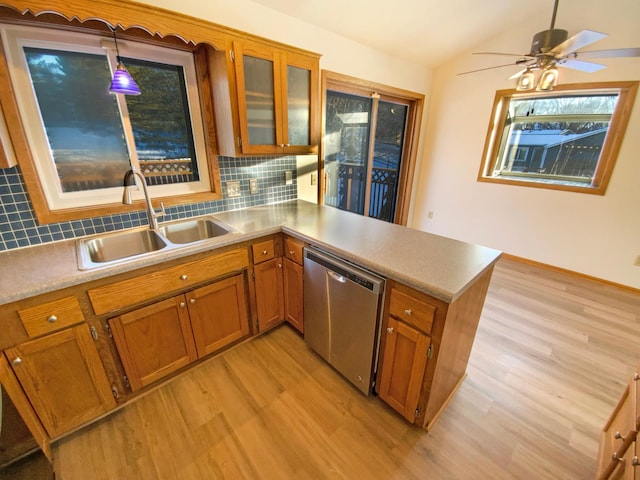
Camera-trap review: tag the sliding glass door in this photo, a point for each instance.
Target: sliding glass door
(364, 147)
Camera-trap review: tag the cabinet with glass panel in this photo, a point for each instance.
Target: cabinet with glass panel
(277, 94)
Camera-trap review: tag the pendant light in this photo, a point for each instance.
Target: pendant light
(122, 81)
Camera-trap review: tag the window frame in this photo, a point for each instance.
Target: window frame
(610, 149)
(15, 37)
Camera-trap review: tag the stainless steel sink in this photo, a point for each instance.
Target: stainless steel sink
(114, 248)
(111, 248)
(190, 231)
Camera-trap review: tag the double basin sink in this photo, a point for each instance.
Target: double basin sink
(109, 249)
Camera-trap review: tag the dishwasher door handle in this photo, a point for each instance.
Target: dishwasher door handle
(337, 277)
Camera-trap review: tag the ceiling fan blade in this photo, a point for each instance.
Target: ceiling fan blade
(526, 55)
(588, 67)
(582, 39)
(487, 68)
(616, 52)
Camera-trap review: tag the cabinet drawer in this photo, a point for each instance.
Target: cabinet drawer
(293, 250)
(166, 280)
(51, 316)
(264, 251)
(412, 310)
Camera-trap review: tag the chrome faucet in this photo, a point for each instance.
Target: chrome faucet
(126, 197)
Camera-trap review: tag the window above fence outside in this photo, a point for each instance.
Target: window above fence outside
(567, 139)
(83, 139)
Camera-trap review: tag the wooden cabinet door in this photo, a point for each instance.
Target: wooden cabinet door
(218, 314)
(269, 293)
(293, 294)
(259, 97)
(403, 365)
(154, 341)
(300, 127)
(63, 377)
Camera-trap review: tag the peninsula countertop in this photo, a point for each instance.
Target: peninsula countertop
(439, 266)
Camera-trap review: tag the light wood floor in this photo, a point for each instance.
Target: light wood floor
(551, 358)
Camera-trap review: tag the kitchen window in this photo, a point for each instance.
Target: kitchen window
(83, 139)
(567, 139)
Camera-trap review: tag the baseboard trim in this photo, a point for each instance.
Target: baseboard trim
(546, 266)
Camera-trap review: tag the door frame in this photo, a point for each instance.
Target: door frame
(415, 102)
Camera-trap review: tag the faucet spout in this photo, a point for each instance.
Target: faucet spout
(126, 197)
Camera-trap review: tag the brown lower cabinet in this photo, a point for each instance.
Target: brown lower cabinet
(269, 293)
(618, 453)
(404, 360)
(161, 338)
(293, 294)
(63, 377)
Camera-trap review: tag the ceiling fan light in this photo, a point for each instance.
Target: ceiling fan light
(548, 79)
(526, 80)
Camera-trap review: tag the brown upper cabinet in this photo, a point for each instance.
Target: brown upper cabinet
(277, 101)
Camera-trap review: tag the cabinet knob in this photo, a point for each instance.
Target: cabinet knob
(17, 360)
(619, 436)
(287, 145)
(182, 304)
(52, 319)
(282, 145)
(192, 301)
(635, 462)
(389, 329)
(279, 265)
(636, 376)
(292, 253)
(408, 312)
(264, 252)
(184, 277)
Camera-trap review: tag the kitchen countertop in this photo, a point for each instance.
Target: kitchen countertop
(436, 265)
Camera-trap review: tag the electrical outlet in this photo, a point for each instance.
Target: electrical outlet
(288, 177)
(233, 189)
(253, 186)
(637, 262)
(430, 215)
(314, 179)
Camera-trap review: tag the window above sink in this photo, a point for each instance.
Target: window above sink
(83, 138)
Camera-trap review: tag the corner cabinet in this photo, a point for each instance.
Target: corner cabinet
(63, 377)
(278, 97)
(267, 259)
(293, 286)
(425, 347)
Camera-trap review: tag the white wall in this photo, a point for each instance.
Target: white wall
(594, 235)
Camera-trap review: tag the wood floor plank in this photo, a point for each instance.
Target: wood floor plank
(552, 355)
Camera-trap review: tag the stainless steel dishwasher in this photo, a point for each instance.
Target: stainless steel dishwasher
(341, 309)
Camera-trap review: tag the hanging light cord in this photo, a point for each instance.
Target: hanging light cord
(115, 39)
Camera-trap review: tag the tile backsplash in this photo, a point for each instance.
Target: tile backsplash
(19, 227)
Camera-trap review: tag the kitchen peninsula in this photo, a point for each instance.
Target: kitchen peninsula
(434, 296)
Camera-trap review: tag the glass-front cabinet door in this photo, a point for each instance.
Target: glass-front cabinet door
(277, 100)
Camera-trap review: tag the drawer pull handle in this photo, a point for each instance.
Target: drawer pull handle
(52, 319)
(389, 329)
(17, 360)
(408, 312)
(264, 252)
(192, 301)
(292, 253)
(184, 277)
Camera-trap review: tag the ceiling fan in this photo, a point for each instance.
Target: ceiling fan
(553, 48)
